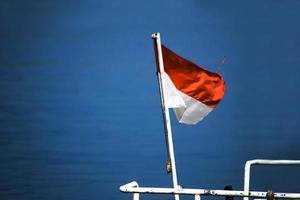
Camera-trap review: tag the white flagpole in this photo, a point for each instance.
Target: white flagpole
(166, 114)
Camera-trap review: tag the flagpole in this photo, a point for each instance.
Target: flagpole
(166, 114)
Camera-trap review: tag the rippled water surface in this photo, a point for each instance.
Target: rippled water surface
(63, 138)
(79, 104)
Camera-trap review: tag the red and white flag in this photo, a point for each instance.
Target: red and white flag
(191, 90)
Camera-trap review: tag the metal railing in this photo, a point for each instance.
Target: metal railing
(134, 188)
(249, 163)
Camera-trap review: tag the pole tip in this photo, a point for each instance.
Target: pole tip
(155, 35)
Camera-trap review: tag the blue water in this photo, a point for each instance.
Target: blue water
(62, 137)
(79, 104)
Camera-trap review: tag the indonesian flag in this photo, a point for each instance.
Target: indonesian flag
(191, 90)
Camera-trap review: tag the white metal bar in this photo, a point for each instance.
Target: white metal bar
(136, 196)
(165, 109)
(197, 197)
(132, 184)
(262, 162)
(207, 192)
(162, 99)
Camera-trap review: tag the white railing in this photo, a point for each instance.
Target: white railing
(134, 188)
(249, 163)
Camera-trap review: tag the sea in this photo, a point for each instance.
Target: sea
(82, 132)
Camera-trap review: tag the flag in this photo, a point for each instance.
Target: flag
(191, 90)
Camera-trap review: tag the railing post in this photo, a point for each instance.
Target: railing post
(249, 163)
(197, 197)
(136, 196)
